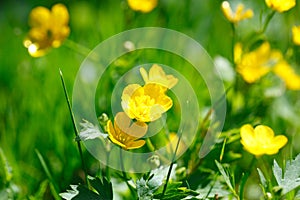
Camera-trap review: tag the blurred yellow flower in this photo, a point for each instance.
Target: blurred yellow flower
(296, 34)
(126, 134)
(288, 75)
(171, 145)
(238, 15)
(261, 140)
(281, 5)
(255, 64)
(158, 76)
(48, 29)
(142, 5)
(145, 103)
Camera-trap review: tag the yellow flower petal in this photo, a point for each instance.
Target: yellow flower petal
(239, 14)
(48, 29)
(288, 75)
(39, 17)
(126, 134)
(112, 134)
(135, 144)
(59, 14)
(255, 64)
(296, 34)
(145, 103)
(280, 5)
(158, 76)
(142, 5)
(261, 140)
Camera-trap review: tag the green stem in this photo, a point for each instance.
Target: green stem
(245, 177)
(124, 174)
(233, 41)
(81, 49)
(171, 166)
(269, 17)
(74, 127)
(47, 171)
(107, 173)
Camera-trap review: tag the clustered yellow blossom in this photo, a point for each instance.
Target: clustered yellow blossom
(145, 103)
(281, 5)
(142, 104)
(296, 34)
(261, 140)
(126, 134)
(239, 15)
(49, 28)
(142, 5)
(255, 64)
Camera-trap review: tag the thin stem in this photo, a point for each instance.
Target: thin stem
(233, 41)
(47, 171)
(74, 127)
(246, 176)
(123, 172)
(171, 166)
(80, 49)
(269, 17)
(107, 173)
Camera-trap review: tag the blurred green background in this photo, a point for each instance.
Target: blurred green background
(33, 110)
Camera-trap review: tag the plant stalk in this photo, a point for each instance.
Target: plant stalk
(74, 127)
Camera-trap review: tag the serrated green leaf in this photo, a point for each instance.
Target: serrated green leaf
(90, 131)
(81, 192)
(85, 193)
(104, 188)
(225, 175)
(210, 191)
(147, 187)
(290, 178)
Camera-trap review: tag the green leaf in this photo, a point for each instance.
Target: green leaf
(5, 170)
(104, 187)
(90, 131)
(225, 175)
(262, 178)
(102, 190)
(146, 187)
(40, 193)
(210, 191)
(291, 177)
(175, 192)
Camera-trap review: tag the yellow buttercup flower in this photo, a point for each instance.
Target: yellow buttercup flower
(288, 75)
(145, 103)
(142, 5)
(158, 76)
(126, 134)
(281, 5)
(238, 15)
(48, 29)
(296, 34)
(261, 140)
(255, 64)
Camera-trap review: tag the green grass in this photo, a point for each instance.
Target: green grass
(33, 110)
